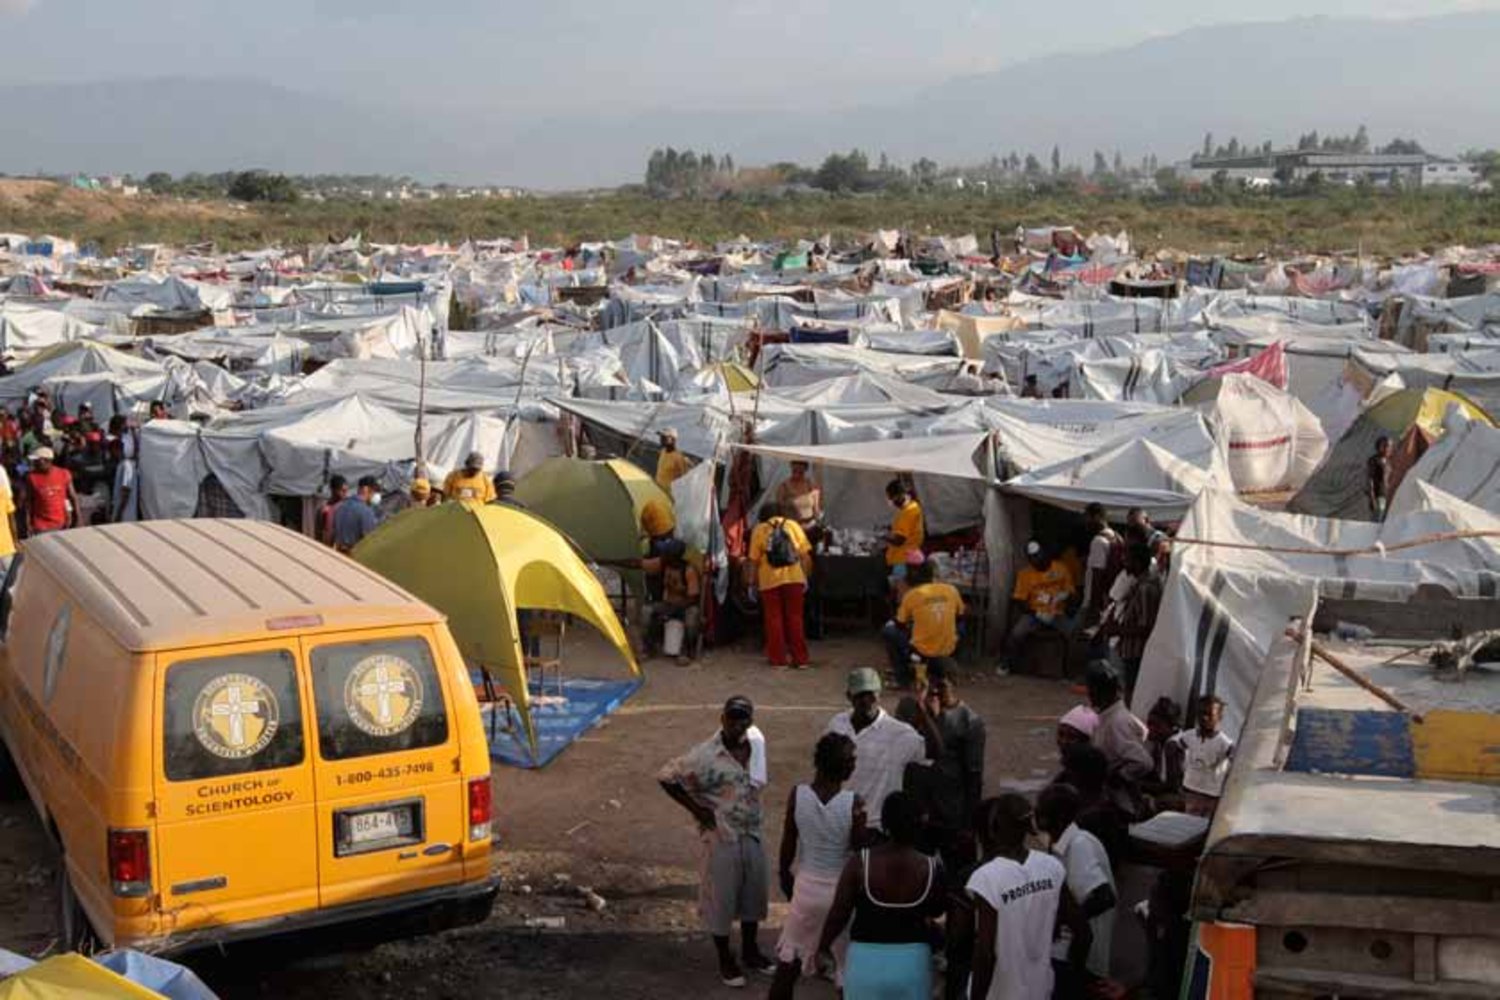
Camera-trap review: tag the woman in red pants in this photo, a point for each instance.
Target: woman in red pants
(782, 558)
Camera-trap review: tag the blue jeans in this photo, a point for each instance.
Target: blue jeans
(898, 649)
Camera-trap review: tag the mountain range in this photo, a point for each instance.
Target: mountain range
(1434, 79)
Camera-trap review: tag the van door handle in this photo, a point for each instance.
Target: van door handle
(437, 849)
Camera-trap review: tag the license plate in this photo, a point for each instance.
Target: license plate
(366, 827)
(377, 827)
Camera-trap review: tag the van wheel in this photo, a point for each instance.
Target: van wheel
(12, 789)
(74, 931)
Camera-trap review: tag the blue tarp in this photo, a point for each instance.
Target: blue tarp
(559, 720)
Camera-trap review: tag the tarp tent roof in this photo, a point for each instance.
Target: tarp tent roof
(1337, 488)
(1464, 462)
(1224, 603)
(73, 359)
(293, 450)
(26, 330)
(596, 504)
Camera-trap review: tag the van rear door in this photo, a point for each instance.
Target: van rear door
(235, 834)
(392, 808)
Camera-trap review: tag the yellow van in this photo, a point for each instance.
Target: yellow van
(234, 732)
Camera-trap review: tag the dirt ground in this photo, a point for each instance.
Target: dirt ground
(594, 818)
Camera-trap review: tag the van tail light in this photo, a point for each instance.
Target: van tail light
(130, 862)
(481, 798)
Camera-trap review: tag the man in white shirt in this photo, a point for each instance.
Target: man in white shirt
(883, 744)
(1105, 552)
(1206, 755)
(1018, 897)
(1090, 880)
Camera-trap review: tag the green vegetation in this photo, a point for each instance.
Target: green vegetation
(1213, 218)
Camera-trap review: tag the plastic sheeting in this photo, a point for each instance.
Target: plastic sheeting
(1464, 462)
(26, 330)
(292, 451)
(1273, 441)
(1223, 604)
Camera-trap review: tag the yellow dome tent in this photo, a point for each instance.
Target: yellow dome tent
(71, 977)
(478, 564)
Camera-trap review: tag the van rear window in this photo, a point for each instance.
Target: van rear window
(232, 715)
(377, 697)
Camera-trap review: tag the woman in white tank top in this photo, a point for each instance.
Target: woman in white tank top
(823, 823)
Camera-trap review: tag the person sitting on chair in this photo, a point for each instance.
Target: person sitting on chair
(681, 591)
(1042, 597)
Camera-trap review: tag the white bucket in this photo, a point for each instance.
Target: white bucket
(672, 634)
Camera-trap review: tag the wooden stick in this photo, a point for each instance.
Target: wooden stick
(1358, 678)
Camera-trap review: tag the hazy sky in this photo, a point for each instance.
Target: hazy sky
(575, 55)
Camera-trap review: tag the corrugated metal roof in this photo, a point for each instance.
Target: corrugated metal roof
(165, 584)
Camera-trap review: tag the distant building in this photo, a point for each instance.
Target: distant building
(1451, 173)
(1379, 169)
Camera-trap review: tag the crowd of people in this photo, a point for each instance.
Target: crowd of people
(897, 867)
(59, 470)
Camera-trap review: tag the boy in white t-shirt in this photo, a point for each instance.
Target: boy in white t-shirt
(1018, 901)
(1206, 754)
(1090, 882)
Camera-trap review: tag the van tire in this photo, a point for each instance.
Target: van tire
(12, 788)
(74, 931)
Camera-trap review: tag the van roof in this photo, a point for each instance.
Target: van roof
(171, 584)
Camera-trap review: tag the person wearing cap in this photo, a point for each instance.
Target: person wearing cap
(884, 745)
(926, 622)
(1041, 598)
(671, 464)
(421, 492)
(469, 483)
(356, 517)
(505, 490)
(715, 784)
(1076, 727)
(51, 502)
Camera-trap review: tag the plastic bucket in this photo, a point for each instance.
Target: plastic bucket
(672, 634)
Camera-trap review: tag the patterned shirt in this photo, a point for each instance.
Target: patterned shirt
(712, 775)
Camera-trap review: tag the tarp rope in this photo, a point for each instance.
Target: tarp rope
(1379, 548)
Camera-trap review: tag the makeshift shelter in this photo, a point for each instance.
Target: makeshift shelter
(1240, 574)
(1464, 462)
(480, 564)
(597, 505)
(293, 450)
(1411, 418)
(1273, 441)
(27, 329)
(72, 977)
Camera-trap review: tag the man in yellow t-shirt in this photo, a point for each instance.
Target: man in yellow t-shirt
(782, 587)
(671, 464)
(470, 482)
(7, 523)
(926, 622)
(907, 532)
(1042, 598)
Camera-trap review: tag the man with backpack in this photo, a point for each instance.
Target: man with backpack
(781, 560)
